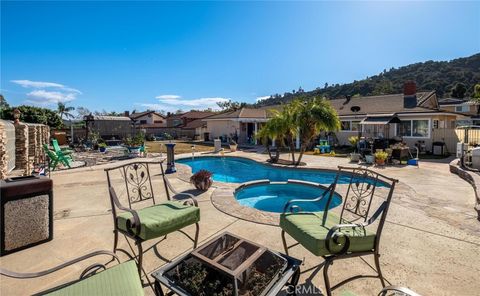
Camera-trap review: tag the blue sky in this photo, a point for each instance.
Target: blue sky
(161, 55)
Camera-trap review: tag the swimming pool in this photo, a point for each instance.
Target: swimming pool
(240, 170)
(272, 197)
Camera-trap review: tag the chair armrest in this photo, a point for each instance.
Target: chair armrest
(334, 234)
(133, 222)
(19, 275)
(191, 199)
(289, 204)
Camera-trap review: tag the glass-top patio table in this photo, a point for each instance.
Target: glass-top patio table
(229, 265)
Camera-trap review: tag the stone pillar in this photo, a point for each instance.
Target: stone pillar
(21, 147)
(256, 130)
(3, 151)
(297, 141)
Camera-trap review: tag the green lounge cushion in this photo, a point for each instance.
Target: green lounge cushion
(161, 219)
(122, 279)
(307, 229)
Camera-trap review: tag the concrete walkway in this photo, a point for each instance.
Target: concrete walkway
(431, 242)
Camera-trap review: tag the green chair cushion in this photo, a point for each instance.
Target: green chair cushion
(122, 279)
(307, 229)
(161, 219)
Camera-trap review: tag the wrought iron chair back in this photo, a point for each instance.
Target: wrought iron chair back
(138, 183)
(360, 194)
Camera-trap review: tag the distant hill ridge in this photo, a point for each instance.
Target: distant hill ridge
(455, 78)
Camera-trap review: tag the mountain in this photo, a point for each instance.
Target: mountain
(455, 78)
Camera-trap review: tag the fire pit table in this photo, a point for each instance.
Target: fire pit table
(229, 265)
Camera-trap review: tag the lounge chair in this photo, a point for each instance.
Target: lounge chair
(54, 158)
(397, 291)
(153, 221)
(56, 147)
(121, 279)
(348, 234)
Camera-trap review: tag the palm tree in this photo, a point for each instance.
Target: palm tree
(311, 117)
(63, 110)
(280, 128)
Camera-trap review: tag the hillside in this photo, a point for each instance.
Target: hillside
(440, 76)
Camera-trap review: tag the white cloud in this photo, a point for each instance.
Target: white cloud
(43, 84)
(262, 98)
(172, 104)
(168, 97)
(50, 97)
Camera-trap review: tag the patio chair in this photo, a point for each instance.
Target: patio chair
(349, 234)
(64, 151)
(121, 279)
(54, 158)
(397, 291)
(154, 221)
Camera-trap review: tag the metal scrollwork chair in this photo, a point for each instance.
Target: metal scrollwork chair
(349, 234)
(154, 221)
(121, 279)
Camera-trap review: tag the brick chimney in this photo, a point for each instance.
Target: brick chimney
(126, 113)
(409, 94)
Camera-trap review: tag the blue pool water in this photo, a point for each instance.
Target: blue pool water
(241, 170)
(273, 197)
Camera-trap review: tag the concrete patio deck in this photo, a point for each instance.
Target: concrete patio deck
(430, 243)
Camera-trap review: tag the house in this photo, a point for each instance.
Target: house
(241, 124)
(199, 128)
(150, 118)
(180, 120)
(465, 106)
(414, 116)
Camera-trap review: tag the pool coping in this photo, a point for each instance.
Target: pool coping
(223, 198)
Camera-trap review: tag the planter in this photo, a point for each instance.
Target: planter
(354, 157)
(233, 147)
(133, 151)
(102, 149)
(203, 185)
(370, 159)
(379, 161)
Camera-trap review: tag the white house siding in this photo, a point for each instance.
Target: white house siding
(218, 128)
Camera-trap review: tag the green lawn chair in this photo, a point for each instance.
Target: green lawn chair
(54, 159)
(349, 234)
(154, 221)
(121, 279)
(64, 151)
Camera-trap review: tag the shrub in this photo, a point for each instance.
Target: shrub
(200, 176)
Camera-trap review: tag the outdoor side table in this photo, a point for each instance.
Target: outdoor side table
(229, 264)
(26, 217)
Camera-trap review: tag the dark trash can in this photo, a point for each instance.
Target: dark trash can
(26, 216)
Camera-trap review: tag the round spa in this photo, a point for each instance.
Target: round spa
(272, 196)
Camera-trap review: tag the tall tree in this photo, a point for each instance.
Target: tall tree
(63, 110)
(476, 96)
(459, 90)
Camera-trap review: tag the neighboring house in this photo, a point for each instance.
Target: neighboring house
(199, 128)
(150, 118)
(465, 106)
(241, 124)
(111, 127)
(180, 120)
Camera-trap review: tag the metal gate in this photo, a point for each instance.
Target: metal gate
(9, 144)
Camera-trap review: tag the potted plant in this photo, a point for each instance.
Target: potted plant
(202, 180)
(134, 144)
(354, 156)
(233, 146)
(102, 147)
(380, 157)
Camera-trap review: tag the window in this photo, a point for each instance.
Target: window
(345, 125)
(418, 128)
(349, 125)
(462, 108)
(143, 122)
